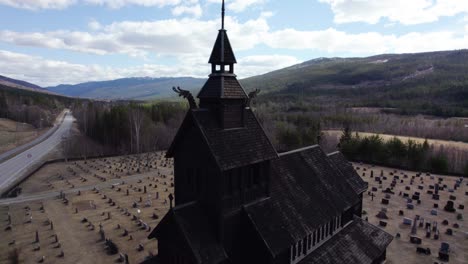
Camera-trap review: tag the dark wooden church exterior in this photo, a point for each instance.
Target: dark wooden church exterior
(239, 201)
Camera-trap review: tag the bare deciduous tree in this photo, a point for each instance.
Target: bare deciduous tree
(136, 121)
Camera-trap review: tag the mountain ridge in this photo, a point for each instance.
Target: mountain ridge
(141, 88)
(20, 84)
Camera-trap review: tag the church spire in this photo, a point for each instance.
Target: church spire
(222, 16)
(222, 84)
(222, 54)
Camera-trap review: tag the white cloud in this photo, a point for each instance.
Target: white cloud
(190, 36)
(38, 4)
(135, 38)
(402, 11)
(61, 4)
(122, 3)
(334, 41)
(241, 5)
(194, 10)
(238, 5)
(94, 25)
(260, 64)
(45, 72)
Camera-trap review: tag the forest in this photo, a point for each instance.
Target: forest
(433, 83)
(37, 109)
(397, 153)
(129, 127)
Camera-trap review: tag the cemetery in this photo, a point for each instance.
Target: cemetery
(424, 212)
(103, 211)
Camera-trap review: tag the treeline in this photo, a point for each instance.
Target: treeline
(129, 127)
(394, 152)
(289, 130)
(35, 108)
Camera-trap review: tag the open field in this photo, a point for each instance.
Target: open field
(336, 134)
(13, 134)
(407, 184)
(125, 197)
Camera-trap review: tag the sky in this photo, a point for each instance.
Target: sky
(51, 42)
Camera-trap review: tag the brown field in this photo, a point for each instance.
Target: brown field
(401, 250)
(336, 134)
(93, 189)
(13, 134)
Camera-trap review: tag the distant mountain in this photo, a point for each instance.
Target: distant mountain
(430, 82)
(21, 84)
(143, 88)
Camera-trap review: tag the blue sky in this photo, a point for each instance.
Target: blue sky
(49, 42)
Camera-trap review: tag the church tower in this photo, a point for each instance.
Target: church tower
(238, 201)
(222, 93)
(221, 153)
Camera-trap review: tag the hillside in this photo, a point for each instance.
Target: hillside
(31, 106)
(21, 84)
(431, 83)
(129, 88)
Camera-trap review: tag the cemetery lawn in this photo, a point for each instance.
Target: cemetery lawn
(95, 190)
(401, 250)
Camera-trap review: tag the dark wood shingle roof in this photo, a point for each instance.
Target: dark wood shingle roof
(346, 168)
(231, 148)
(236, 147)
(306, 192)
(191, 220)
(220, 86)
(358, 243)
(222, 51)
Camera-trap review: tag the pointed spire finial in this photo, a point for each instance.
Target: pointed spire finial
(222, 16)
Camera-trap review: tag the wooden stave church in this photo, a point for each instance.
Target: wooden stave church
(239, 201)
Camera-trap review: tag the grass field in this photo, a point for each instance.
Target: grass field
(336, 134)
(13, 134)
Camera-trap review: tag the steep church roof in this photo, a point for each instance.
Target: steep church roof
(358, 243)
(221, 86)
(353, 179)
(222, 51)
(307, 190)
(231, 148)
(196, 230)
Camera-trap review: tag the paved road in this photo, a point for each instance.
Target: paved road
(13, 152)
(13, 169)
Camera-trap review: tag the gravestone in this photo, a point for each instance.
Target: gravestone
(449, 207)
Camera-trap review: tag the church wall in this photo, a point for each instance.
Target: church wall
(195, 172)
(242, 242)
(233, 113)
(358, 207)
(172, 247)
(245, 184)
